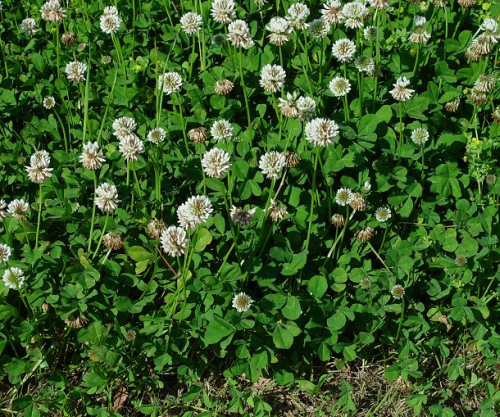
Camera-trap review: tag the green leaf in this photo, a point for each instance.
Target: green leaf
(292, 308)
(336, 322)
(317, 286)
(217, 330)
(298, 262)
(138, 253)
(202, 240)
(282, 338)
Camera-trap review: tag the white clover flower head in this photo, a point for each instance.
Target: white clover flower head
(239, 34)
(131, 148)
(419, 21)
(14, 278)
(75, 71)
(242, 302)
(242, 217)
(322, 132)
(340, 86)
(170, 82)
(306, 107)
(280, 31)
(174, 241)
(29, 26)
(382, 214)
(419, 35)
(354, 13)
(110, 11)
(223, 11)
(221, 130)
(216, 163)
(379, 4)
(401, 92)
(419, 136)
(110, 23)
(5, 252)
(485, 83)
(288, 105)
(297, 15)
(157, 135)
(271, 163)
(106, 197)
(51, 11)
(489, 24)
(398, 292)
(191, 23)
(272, 78)
(106, 59)
(38, 170)
(92, 157)
(49, 102)
(332, 12)
(194, 211)
(370, 33)
(276, 211)
(3, 212)
(364, 64)
(344, 196)
(124, 127)
(343, 50)
(319, 28)
(18, 209)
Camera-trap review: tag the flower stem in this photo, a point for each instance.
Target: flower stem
(246, 97)
(311, 209)
(401, 319)
(39, 216)
(400, 130)
(102, 234)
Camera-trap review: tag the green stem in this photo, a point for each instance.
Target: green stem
(39, 216)
(246, 98)
(400, 130)
(400, 320)
(102, 234)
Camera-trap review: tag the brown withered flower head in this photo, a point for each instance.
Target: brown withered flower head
(223, 87)
(68, 38)
(364, 233)
(292, 159)
(156, 228)
(113, 240)
(338, 220)
(198, 134)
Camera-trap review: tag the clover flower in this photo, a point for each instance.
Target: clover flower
(3, 212)
(131, 147)
(221, 129)
(198, 134)
(194, 211)
(191, 23)
(340, 86)
(364, 233)
(223, 11)
(332, 12)
(343, 50)
(272, 77)
(354, 13)
(271, 163)
(170, 82)
(401, 92)
(364, 64)
(242, 302)
(18, 209)
(344, 196)
(49, 102)
(223, 87)
(92, 157)
(110, 23)
(75, 71)
(14, 278)
(338, 220)
(174, 241)
(398, 292)
(216, 163)
(382, 214)
(124, 127)
(52, 11)
(157, 135)
(297, 15)
(306, 107)
(288, 105)
(106, 197)
(155, 228)
(276, 211)
(113, 241)
(29, 26)
(242, 217)
(5, 252)
(319, 28)
(419, 136)
(280, 31)
(38, 170)
(239, 34)
(322, 132)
